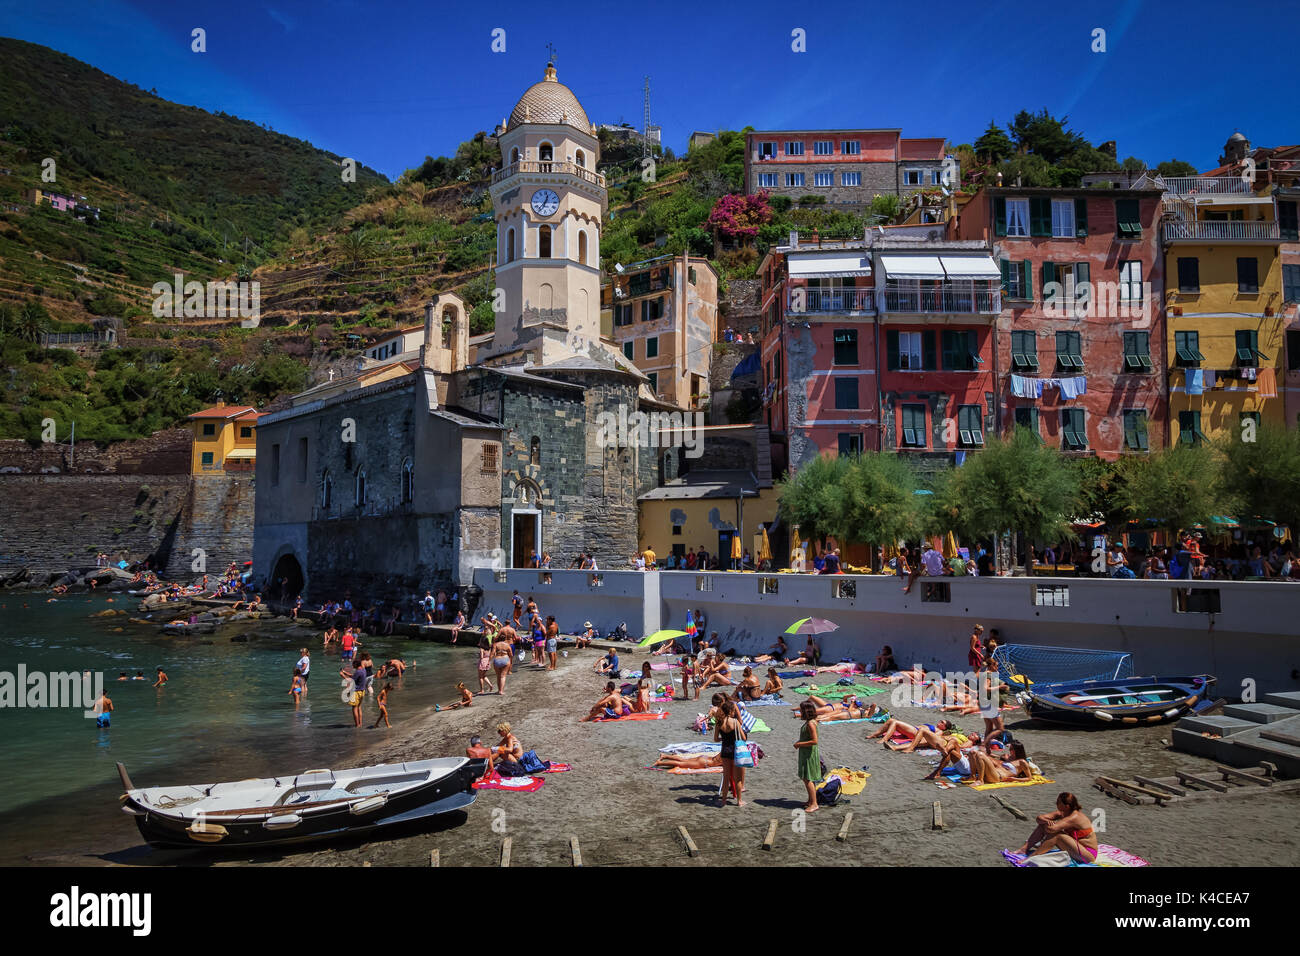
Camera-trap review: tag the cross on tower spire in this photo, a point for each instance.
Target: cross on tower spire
(550, 50)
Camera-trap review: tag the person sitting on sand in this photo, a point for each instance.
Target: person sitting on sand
(774, 683)
(885, 663)
(718, 673)
(897, 728)
(850, 708)
(612, 700)
(608, 664)
(688, 761)
(509, 752)
(641, 702)
(778, 652)
(466, 698)
(586, 637)
(476, 750)
(950, 754)
(986, 769)
(1067, 828)
(748, 688)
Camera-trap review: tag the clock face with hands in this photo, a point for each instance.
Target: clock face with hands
(545, 202)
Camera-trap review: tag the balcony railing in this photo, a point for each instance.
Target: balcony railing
(544, 166)
(831, 300)
(1207, 185)
(945, 297)
(1220, 230)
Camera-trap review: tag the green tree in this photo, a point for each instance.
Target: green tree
(886, 205)
(1017, 484)
(1177, 487)
(1132, 164)
(881, 498)
(1176, 167)
(994, 146)
(1264, 475)
(815, 498)
(31, 322)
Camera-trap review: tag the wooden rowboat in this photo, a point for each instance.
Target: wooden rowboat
(315, 805)
(1120, 703)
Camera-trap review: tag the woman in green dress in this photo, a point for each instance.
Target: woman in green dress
(810, 763)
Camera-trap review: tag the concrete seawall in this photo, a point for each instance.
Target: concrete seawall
(1253, 637)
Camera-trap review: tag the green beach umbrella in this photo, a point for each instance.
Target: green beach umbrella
(658, 637)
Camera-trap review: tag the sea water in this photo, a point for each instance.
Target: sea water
(225, 714)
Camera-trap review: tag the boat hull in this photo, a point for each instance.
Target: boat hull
(445, 793)
(1125, 703)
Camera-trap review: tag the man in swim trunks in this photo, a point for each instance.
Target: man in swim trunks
(102, 710)
(359, 677)
(476, 750)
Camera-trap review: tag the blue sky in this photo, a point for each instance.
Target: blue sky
(388, 82)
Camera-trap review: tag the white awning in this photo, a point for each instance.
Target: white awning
(912, 267)
(971, 267)
(843, 265)
(242, 453)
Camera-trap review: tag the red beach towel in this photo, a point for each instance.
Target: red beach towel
(494, 781)
(662, 716)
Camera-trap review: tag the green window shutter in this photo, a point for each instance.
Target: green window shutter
(1028, 279)
(1005, 266)
(1040, 216)
(891, 348)
(1081, 217)
(1082, 274)
(1245, 351)
(999, 216)
(929, 352)
(1128, 219)
(946, 341)
(1049, 275)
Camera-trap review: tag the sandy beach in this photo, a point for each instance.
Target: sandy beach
(623, 814)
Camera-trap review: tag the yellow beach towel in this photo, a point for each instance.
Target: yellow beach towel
(1038, 778)
(851, 781)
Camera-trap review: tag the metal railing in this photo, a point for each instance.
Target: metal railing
(831, 300)
(946, 297)
(547, 166)
(1219, 229)
(1207, 185)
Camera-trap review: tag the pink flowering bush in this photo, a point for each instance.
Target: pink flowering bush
(739, 217)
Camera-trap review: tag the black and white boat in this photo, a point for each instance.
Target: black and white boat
(315, 805)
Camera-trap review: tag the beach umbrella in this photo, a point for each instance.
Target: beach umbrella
(812, 625)
(735, 546)
(764, 548)
(691, 629)
(658, 637)
(796, 542)
(950, 546)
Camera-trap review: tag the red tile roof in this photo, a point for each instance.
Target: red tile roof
(226, 412)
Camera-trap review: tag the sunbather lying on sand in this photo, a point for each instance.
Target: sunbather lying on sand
(895, 728)
(913, 675)
(986, 769)
(926, 738)
(848, 709)
(689, 761)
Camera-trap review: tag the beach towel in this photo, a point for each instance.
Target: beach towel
(697, 747)
(878, 719)
(837, 690)
(691, 769)
(494, 781)
(767, 700)
(1107, 855)
(663, 715)
(559, 767)
(851, 781)
(1038, 778)
(786, 675)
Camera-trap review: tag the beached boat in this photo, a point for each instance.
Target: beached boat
(315, 805)
(1125, 702)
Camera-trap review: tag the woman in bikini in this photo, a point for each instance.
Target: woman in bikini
(728, 731)
(848, 709)
(895, 727)
(641, 702)
(509, 752)
(501, 651)
(748, 688)
(719, 673)
(885, 663)
(986, 769)
(774, 684)
(936, 739)
(688, 761)
(1067, 829)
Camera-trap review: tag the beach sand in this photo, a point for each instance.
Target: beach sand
(623, 814)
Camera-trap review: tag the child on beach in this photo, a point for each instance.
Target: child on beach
(687, 673)
(382, 700)
(810, 762)
(466, 698)
(296, 689)
(484, 665)
(162, 678)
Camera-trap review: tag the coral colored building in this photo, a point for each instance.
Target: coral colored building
(1080, 337)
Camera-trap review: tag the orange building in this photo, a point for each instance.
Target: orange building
(225, 439)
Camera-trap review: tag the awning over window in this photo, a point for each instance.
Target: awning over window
(971, 267)
(241, 453)
(844, 265)
(913, 267)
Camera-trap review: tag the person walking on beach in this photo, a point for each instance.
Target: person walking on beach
(518, 603)
(810, 761)
(382, 700)
(484, 665)
(501, 651)
(358, 677)
(727, 730)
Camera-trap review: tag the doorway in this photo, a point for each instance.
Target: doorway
(525, 536)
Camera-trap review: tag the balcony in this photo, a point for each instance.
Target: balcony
(1195, 186)
(947, 297)
(1220, 230)
(830, 301)
(543, 166)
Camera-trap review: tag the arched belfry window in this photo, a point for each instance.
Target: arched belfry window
(514, 156)
(326, 490)
(582, 246)
(408, 482)
(510, 245)
(535, 451)
(544, 242)
(544, 152)
(580, 158)
(361, 488)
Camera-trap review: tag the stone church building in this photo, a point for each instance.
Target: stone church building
(407, 475)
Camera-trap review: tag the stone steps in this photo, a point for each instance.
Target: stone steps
(1240, 730)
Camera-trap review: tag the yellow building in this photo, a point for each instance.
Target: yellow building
(1223, 302)
(225, 440)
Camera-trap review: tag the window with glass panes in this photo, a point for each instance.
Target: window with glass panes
(970, 426)
(823, 147)
(1189, 428)
(846, 347)
(850, 179)
(1017, 279)
(823, 179)
(959, 353)
(794, 149)
(1189, 274)
(652, 347)
(1248, 275)
(1135, 429)
(794, 179)
(1187, 348)
(1130, 281)
(850, 444)
(1291, 283)
(851, 147)
(1137, 351)
(1027, 417)
(913, 426)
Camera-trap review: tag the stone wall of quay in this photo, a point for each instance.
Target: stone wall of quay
(162, 453)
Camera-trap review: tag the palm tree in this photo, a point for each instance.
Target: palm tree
(32, 322)
(354, 246)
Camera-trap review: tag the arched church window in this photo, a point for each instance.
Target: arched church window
(514, 156)
(408, 481)
(510, 245)
(582, 246)
(544, 152)
(535, 451)
(361, 488)
(326, 490)
(544, 242)
(580, 158)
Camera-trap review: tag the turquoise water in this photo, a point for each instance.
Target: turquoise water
(225, 714)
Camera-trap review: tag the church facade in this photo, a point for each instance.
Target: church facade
(408, 475)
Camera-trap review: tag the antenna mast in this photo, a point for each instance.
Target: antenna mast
(645, 132)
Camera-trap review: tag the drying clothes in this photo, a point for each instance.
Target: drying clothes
(1195, 381)
(1023, 387)
(1210, 377)
(1072, 387)
(1248, 374)
(1267, 382)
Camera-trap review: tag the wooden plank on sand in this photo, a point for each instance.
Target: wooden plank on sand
(691, 848)
(771, 835)
(1147, 781)
(1018, 814)
(575, 850)
(505, 851)
(1119, 793)
(1185, 778)
(435, 858)
(1158, 795)
(1242, 775)
(937, 822)
(844, 827)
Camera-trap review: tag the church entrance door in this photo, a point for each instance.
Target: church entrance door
(525, 536)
